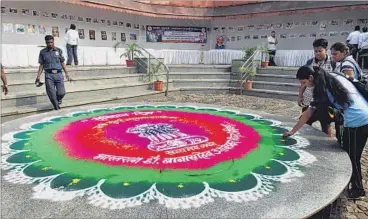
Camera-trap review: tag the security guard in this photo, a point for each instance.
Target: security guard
(52, 61)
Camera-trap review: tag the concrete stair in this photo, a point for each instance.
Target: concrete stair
(273, 82)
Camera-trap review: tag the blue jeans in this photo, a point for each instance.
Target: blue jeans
(72, 53)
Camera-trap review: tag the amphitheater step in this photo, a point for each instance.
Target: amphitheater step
(200, 75)
(199, 68)
(278, 71)
(29, 74)
(201, 83)
(10, 113)
(81, 94)
(277, 86)
(205, 90)
(275, 94)
(19, 87)
(276, 78)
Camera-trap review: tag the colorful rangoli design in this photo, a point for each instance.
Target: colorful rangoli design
(182, 156)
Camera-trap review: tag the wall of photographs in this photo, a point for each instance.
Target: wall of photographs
(25, 22)
(294, 32)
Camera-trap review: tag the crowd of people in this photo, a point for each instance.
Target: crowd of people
(329, 93)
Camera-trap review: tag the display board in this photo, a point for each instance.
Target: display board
(170, 34)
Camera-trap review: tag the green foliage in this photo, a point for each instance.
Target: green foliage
(248, 72)
(130, 51)
(248, 52)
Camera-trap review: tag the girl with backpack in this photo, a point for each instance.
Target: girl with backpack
(337, 90)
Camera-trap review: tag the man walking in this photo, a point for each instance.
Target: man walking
(52, 61)
(272, 41)
(72, 41)
(5, 81)
(363, 48)
(353, 40)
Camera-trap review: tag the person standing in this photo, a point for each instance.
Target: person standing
(5, 81)
(72, 41)
(353, 40)
(52, 61)
(363, 48)
(272, 41)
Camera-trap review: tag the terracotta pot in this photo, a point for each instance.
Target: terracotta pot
(158, 85)
(264, 64)
(130, 63)
(248, 85)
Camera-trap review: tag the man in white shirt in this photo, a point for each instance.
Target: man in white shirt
(72, 41)
(353, 40)
(363, 48)
(272, 41)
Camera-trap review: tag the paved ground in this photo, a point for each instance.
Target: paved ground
(348, 209)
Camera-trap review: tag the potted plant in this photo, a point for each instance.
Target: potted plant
(265, 56)
(249, 73)
(130, 51)
(248, 52)
(154, 76)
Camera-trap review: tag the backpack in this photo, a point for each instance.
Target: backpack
(333, 63)
(362, 83)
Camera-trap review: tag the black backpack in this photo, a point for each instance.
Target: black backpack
(333, 63)
(362, 84)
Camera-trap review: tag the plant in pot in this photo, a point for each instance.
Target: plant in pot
(265, 56)
(249, 72)
(130, 51)
(155, 76)
(248, 52)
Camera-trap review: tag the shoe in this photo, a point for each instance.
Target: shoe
(355, 194)
(60, 102)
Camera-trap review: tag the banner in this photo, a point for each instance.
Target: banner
(169, 34)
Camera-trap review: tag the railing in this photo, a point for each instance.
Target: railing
(248, 63)
(148, 63)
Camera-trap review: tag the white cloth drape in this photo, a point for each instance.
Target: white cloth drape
(27, 56)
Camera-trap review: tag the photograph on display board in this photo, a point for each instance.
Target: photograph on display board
(95, 21)
(348, 22)
(208, 29)
(362, 21)
(55, 32)
(344, 33)
(113, 36)
(231, 29)
(136, 26)
(122, 36)
(302, 35)
(103, 35)
(293, 35)
(54, 15)
(232, 39)
(334, 22)
(313, 35)
(81, 19)
(35, 13)
(173, 34)
(283, 36)
(220, 42)
(46, 14)
(250, 27)
(20, 29)
(322, 34)
(64, 16)
(333, 33)
(263, 36)
(81, 33)
(278, 25)
(216, 29)
(3, 10)
(247, 37)
(296, 24)
(88, 20)
(114, 23)
(133, 36)
(128, 25)
(238, 38)
(308, 23)
(8, 28)
(108, 22)
(144, 28)
(25, 12)
(323, 25)
(92, 35)
(240, 28)
(315, 23)
(301, 23)
(42, 29)
(223, 29)
(72, 17)
(260, 27)
(13, 10)
(289, 25)
(32, 29)
(269, 26)
(103, 21)
(255, 37)
(121, 23)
